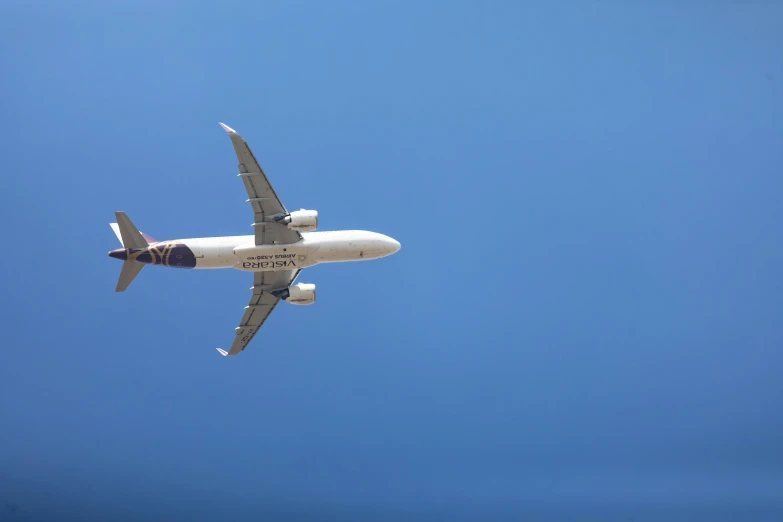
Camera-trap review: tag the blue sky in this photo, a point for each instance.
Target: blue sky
(584, 319)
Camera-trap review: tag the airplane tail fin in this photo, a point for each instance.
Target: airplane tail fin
(131, 239)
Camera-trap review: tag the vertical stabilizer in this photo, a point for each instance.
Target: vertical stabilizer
(131, 239)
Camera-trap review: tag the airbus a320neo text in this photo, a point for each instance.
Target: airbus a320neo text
(282, 245)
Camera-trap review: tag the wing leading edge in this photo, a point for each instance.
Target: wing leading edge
(261, 305)
(261, 196)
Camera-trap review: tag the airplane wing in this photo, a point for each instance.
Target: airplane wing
(261, 196)
(261, 305)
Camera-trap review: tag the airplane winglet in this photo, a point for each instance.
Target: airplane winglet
(227, 128)
(222, 352)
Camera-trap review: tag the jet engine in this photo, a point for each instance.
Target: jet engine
(301, 220)
(298, 294)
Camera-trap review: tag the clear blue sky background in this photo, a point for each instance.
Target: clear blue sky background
(584, 319)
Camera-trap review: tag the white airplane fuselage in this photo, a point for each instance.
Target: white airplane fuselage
(241, 252)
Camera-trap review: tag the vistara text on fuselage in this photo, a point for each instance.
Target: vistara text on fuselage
(282, 245)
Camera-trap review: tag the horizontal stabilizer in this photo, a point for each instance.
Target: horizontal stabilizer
(116, 228)
(130, 269)
(222, 352)
(129, 235)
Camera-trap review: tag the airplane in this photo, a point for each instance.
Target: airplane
(283, 244)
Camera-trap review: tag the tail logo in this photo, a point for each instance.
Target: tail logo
(165, 253)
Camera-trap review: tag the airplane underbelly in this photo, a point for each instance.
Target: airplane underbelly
(216, 256)
(355, 250)
(273, 258)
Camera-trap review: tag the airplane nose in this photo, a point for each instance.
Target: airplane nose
(379, 245)
(390, 245)
(119, 253)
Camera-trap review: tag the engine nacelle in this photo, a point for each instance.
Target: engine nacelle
(298, 294)
(302, 220)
